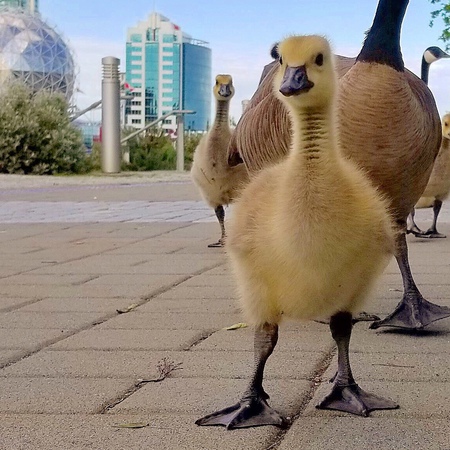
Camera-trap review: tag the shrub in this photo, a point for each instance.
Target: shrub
(191, 141)
(152, 151)
(36, 136)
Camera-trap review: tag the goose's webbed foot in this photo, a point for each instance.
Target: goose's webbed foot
(352, 399)
(413, 313)
(249, 412)
(430, 234)
(218, 244)
(415, 230)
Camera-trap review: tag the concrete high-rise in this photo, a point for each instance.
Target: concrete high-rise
(167, 69)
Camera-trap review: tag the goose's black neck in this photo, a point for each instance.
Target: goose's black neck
(425, 69)
(382, 43)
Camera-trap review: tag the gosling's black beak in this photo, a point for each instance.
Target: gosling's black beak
(295, 81)
(224, 90)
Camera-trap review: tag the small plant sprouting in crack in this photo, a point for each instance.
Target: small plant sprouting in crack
(165, 367)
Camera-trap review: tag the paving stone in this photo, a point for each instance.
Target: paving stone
(29, 339)
(170, 320)
(416, 399)
(165, 432)
(143, 364)
(81, 304)
(130, 340)
(40, 320)
(54, 395)
(205, 395)
(288, 340)
(339, 433)
(142, 233)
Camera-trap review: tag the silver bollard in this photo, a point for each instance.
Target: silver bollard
(111, 150)
(180, 142)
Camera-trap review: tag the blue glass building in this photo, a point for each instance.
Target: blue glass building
(165, 70)
(30, 5)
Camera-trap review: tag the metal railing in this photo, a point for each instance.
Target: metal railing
(180, 133)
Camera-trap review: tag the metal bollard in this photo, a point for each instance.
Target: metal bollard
(111, 149)
(180, 142)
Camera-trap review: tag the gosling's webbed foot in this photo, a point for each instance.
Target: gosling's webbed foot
(360, 317)
(249, 412)
(218, 244)
(354, 400)
(364, 317)
(413, 313)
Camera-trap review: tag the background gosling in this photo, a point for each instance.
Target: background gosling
(217, 181)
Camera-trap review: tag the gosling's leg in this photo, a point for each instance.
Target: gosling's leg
(413, 312)
(252, 410)
(432, 232)
(220, 214)
(346, 395)
(413, 228)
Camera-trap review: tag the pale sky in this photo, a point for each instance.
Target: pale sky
(240, 34)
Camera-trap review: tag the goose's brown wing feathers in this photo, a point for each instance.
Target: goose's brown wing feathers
(266, 122)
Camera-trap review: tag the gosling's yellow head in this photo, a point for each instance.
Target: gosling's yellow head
(223, 89)
(306, 77)
(446, 125)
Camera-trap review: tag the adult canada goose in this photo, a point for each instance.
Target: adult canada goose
(217, 181)
(370, 134)
(438, 180)
(438, 186)
(295, 252)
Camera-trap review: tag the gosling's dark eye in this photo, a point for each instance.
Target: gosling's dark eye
(446, 124)
(319, 59)
(281, 60)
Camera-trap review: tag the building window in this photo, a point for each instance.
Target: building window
(167, 49)
(136, 121)
(136, 38)
(167, 85)
(168, 38)
(167, 58)
(152, 34)
(166, 67)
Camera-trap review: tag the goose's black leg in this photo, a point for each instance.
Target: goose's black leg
(413, 228)
(413, 312)
(220, 214)
(252, 410)
(432, 232)
(346, 395)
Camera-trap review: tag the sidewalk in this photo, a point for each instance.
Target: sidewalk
(75, 250)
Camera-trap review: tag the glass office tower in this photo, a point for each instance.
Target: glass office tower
(167, 69)
(29, 5)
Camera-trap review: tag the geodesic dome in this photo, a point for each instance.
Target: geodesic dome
(32, 51)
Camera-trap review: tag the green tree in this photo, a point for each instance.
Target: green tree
(36, 136)
(442, 12)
